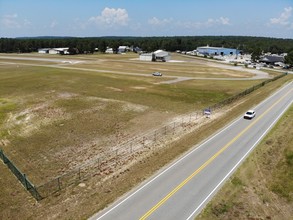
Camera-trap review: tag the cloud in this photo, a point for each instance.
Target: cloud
(283, 19)
(211, 22)
(12, 21)
(53, 24)
(224, 21)
(189, 24)
(157, 22)
(171, 26)
(111, 17)
(27, 22)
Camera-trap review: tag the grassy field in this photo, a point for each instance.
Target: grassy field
(54, 119)
(51, 116)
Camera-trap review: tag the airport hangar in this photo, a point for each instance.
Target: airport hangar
(210, 51)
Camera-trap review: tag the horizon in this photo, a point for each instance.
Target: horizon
(64, 37)
(125, 18)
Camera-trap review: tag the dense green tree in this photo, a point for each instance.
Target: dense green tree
(289, 58)
(255, 56)
(102, 46)
(275, 49)
(183, 43)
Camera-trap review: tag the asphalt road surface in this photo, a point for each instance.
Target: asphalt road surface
(181, 190)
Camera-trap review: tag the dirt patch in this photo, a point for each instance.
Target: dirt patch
(28, 121)
(115, 89)
(65, 95)
(74, 139)
(134, 107)
(139, 87)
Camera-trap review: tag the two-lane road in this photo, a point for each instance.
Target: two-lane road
(183, 189)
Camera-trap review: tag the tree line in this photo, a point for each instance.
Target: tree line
(148, 44)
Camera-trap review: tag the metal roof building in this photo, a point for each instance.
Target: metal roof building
(162, 55)
(271, 59)
(159, 55)
(210, 51)
(54, 50)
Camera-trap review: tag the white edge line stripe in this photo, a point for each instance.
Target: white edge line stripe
(167, 169)
(178, 161)
(245, 155)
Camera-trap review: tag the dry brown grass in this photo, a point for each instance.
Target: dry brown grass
(64, 117)
(74, 105)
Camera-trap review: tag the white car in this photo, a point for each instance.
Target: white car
(250, 114)
(157, 74)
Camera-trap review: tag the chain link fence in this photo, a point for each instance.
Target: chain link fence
(123, 154)
(20, 176)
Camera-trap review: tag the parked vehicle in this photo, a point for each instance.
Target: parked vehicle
(157, 74)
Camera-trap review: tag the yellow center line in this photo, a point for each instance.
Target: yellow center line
(154, 208)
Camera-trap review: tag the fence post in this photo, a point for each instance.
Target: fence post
(165, 129)
(2, 157)
(59, 184)
(79, 174)
(98, 163)
(116, 157)
(25, 181)
(37, 195)
(174, 128)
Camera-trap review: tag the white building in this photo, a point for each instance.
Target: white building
(43, 50)
(123, 49)
(161, 55)
(146, 56)
(59, 50)
(158, 55)
(54, 50)
(214, 51)
(109, 50)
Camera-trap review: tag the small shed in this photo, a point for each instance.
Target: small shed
(43, 50)
(146, 56)
(123, 49)
(109, 50)
(136, 49)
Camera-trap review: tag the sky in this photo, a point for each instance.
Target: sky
(96, 18)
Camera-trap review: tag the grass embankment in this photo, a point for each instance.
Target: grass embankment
(262, 188)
